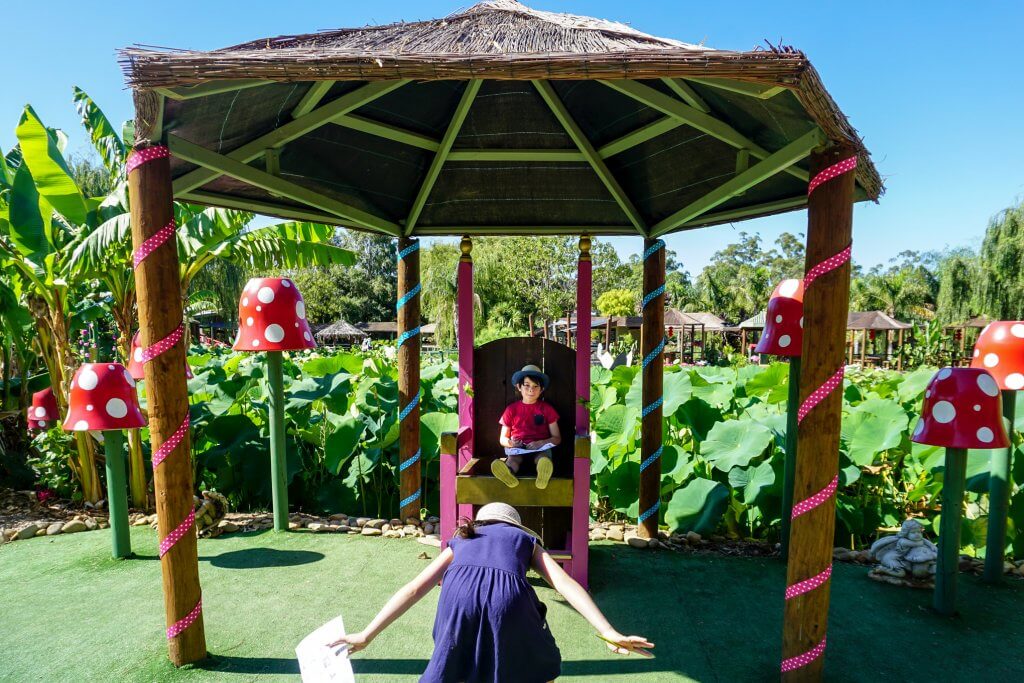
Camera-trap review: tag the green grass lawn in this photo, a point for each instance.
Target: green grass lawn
(70, 612)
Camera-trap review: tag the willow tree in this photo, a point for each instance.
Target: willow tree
(1001, 259)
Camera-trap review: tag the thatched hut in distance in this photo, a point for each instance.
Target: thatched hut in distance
(869, 323)
(960, 333)
(339, 333)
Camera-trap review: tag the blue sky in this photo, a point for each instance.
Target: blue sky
(934, 88)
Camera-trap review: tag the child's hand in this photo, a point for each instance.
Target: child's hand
(624, 645)
(534, 445)
(355, 641)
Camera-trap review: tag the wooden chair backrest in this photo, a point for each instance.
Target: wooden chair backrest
(494, 363)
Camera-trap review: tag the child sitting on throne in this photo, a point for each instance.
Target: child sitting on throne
(529, 429)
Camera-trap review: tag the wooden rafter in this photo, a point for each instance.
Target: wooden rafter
(461, 110)
(291, 130)
(183, 149)
(312, 98)
(438, 230)
(541, 155)
(257, 206)
(687, 94)
(642, 134)
(211, 88)
(774, 163)
(548, 94)
(761, 92)
(389, 132)
(695, 118)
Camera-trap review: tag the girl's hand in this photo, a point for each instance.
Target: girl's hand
(355, 641)
(534, 445)
(624, 645)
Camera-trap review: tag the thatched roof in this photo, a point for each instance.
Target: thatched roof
(755, 322)
(434, 127)
(977, 322)
(874, 320)
(391, 327)
(339, 331)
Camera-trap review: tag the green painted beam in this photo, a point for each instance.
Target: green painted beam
(516, 155)
(761, 92)
(440, 230)
(211, 88)
(461, 110)
(263, 207)
(312, 98)
(157, 131)
(775, 163)
(642, 134)
(292, 130)
(183, 149)
(548, 94)
(746, 212)
(693, 117)
(392, 133)
(742, 161)
(687, 94)
(272, 161)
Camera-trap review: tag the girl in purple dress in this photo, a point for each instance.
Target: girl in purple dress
(490, 625)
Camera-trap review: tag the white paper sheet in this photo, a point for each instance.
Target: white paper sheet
(527, 451)
(321, 664)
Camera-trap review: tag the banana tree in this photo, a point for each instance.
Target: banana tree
(41, 211)
(102, 250)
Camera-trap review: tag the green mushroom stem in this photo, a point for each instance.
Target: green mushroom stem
(789, 475)
(117, 493)
(953, 484)
(999, 497)
(278, 454)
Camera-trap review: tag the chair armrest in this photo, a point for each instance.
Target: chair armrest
(453, 442)
(470, 466)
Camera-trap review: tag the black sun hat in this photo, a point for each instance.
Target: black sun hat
(533, 372)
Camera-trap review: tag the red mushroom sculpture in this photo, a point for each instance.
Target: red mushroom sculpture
(43, 412)
(962, 409)
(272, 318)
(1000, 350)
(103, 398)
(783, 336)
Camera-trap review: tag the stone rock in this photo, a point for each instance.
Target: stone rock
(1008, 567)
(141, 521)
(40, 532)
(395, 523)
(615, 527)
(614, 533)
(431, 540)
(292, 526)
(655, 543)
(227, 527)
(362, 521)
(692, 537)
(428, 528)
(377, 523)
(637, 542)
(74, 526)
(104, 524)
(679, 539)
(340, 517)
(316, 527)
(663, 535)
(54, 528)
(965, 564)
(386, 527)
(414, 521)
(1020, 570)
(91, 524)
(149, 520)
(392, 533)
(343, 528)
(27, 532)
(433, 519)
(370, 531)
(11, 534)
(597, 534)
(410, 529)
(423, 556)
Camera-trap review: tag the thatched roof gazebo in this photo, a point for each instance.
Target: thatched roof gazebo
(868, 323)
(340, 332)
(498, 119)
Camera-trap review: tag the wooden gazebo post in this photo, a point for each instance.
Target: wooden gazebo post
(160, 307)
(652, 346)
(826, 300)
(408, 308)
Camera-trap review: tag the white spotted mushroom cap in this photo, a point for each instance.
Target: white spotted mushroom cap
(272, 317)
(102, 397)
(962, 409)
(784, 320)
(43, 412)
(1000, 350)
(135, 364)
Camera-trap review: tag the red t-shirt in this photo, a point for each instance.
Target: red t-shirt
(528, 423)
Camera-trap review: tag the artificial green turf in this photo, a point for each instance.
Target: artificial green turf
(69, 612)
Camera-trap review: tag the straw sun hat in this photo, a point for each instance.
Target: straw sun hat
(503, 512)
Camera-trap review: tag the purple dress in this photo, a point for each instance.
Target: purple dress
(490, 624)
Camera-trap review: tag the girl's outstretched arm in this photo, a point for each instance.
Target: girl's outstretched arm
(407, 596)
(572, 591)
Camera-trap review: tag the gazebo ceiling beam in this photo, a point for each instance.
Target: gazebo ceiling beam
(695, 118)
(388, 132)
(257, 206)
(500, 230)
(183, 149)
(547, 92)
(544, 155)
(775, 163)
(458, 117)
(210, 88)
(308, 103)
(292, 130)
(761, 92)
(687, 94)
(642, 134)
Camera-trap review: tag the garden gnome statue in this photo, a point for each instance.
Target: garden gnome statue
(906, 555)
(272, 319)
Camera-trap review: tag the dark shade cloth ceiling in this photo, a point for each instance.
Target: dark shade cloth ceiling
(649, 128)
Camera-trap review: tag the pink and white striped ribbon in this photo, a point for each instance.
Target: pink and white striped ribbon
(827, 266)
(167, 447)
(808, 584)
(151, 352)
(179, 532)
(186, 621)
(806, 658)
(817, 499)
(819, 394)
(141, 156)
(153, 242)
